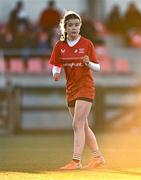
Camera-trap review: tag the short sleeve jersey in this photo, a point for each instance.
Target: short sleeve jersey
(79, 78)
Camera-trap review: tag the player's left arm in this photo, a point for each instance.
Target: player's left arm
(93, 66)
(90, 59)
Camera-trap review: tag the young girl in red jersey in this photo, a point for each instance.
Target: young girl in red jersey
(76, 55)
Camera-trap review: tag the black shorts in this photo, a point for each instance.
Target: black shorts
(72, 103)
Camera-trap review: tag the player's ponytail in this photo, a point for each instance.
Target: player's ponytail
(68, 15)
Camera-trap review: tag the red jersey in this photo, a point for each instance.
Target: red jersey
(79, 79)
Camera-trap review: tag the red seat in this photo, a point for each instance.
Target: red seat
(121, 65)
(35, 66)
(102, 53)
(16, 65)
(106, 66)
(2, 66)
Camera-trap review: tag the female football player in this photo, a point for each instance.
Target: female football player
(77, 56)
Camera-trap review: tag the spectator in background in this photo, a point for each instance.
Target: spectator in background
(6, 39)
(24, 43)
(114, 21)
(49, 19)
(89, 31)
(18, 19)
(42, 44)
(7, 42)
(23, 21)
(13, 18)
(132, 17)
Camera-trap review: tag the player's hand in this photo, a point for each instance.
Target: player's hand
(86, 60)
(56, 76)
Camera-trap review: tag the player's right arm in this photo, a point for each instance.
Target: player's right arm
(55, 61)
(56, 72)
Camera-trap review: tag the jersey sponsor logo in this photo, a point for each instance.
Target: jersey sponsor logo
(73, 64)
(72, 58)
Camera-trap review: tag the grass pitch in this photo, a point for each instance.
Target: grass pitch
(39, 157)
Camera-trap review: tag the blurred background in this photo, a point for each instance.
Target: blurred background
(29, 98)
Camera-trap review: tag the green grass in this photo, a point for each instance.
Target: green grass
(40, 156)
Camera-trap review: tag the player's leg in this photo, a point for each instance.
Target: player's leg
(80, 114)
(90, 138)
(97, 158)
(72, 164)
(91, 141)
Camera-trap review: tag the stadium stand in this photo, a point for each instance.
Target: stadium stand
(2, 66)
(35, 66)
(106, 67)
(121, 66)
(16, 66)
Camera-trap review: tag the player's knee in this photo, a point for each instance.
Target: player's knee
(77, 125)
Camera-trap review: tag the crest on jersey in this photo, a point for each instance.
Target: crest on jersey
(81, 50)
(63, 50)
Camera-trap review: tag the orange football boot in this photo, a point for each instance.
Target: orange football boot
(94, 163)
(72, 165)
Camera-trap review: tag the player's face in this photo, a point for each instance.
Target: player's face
(73, 28)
